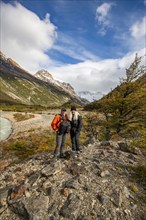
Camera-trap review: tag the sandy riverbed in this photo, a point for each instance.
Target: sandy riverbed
(39, 122)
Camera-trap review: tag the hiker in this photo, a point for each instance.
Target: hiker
(76, 125)
(61, 125)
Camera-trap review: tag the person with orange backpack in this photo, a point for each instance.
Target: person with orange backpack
(61, 125)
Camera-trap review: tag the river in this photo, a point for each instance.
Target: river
(5, 128)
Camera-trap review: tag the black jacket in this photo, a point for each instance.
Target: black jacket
(76, 125)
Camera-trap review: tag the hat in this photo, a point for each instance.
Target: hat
(73, 108)
(63, 109)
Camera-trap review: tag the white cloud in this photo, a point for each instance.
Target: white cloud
(138, 29)
(102, 12)
(144, 2)
(68, 46)
(25, 37)
(102, 16)
(98, 76)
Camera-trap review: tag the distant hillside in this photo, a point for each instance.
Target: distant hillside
(19, 86)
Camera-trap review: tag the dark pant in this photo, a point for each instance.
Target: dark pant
(60, 142)
(75, 140)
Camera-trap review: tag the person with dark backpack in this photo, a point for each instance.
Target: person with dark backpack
(61, 125)
(76, 125)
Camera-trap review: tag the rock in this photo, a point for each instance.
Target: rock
(71, 207)
(72, 183)
(52, 170)
(49, 191)
(27, 193)
(19, 208)
(104, 173)
(94, 185)
(37, 207)
(126, 192)
(4, 164)
(105, 143)
(3, 199)
(4, 192)
(102, 198)
(18, 169)
(47, 184)
(125, 147)
(91, 140)
(76, 169)
(10, 178)
(33, 178)
(114, 145)
(17, 192)
(65, 192)
(116, 198)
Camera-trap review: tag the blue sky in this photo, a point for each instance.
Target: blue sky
(87, 43)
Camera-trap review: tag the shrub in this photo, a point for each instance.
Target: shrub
(22, 117)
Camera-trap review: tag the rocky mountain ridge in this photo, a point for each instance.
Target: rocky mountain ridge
(45, 76)
(19, 86)
(95, 184)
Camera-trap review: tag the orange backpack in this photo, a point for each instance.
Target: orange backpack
(56, 123)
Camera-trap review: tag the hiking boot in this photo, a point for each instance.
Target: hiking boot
(54, 159)
(62, 156)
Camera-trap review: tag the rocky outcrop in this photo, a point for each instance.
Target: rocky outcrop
(95, 184)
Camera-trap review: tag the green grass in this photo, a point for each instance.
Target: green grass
(34, 143)
(24, 108)
(140, 174)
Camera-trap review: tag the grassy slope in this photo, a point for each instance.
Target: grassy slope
(18, 86)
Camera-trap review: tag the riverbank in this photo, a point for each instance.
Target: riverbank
(5, 128)
(39, 122)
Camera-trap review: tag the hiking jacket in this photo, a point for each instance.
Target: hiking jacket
(76, 124)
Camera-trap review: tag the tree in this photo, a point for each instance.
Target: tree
(124, 107)
(134, 71)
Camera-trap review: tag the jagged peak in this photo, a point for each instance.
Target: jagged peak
(44, 73)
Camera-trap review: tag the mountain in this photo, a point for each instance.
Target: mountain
(19, 86)
(90, 95)
(45, 76)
